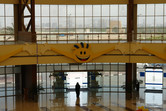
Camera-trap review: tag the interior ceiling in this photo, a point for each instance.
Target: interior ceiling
(77, 2)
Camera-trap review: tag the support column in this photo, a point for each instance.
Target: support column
(29, 78)
(18, 83)
(131, 71)
(26, 34)
(131, 37)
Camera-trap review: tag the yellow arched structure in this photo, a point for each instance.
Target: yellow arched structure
(100, 53)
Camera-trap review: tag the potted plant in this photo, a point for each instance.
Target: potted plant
(93, 81)
(35, 91)
(58, 80)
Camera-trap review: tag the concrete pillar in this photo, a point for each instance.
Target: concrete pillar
(130, 77)
(27, 80)
(131, 28)
(18, 83)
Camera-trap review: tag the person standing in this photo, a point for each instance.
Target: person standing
(77, 89)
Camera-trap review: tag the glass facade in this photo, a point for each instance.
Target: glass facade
(151, 22)
(7, 81)
(75, 23)
(6, 24)
(111, 76)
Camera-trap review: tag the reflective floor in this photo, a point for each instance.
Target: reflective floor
(89, 101)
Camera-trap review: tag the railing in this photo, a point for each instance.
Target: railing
(78, 37)
(87, 37)
(151, 37)
(7, 39)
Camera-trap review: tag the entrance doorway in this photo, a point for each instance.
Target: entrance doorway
(74, 77)
(154, 78)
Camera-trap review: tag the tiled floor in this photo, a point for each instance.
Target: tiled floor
(88, 101)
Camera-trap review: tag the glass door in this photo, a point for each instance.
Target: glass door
(74, 77)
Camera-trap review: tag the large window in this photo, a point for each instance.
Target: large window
(81, 22)
(111, 76)
(7, 81)
(6, 23)
(151, 22)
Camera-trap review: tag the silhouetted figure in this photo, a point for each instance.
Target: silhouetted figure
(77, 88)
